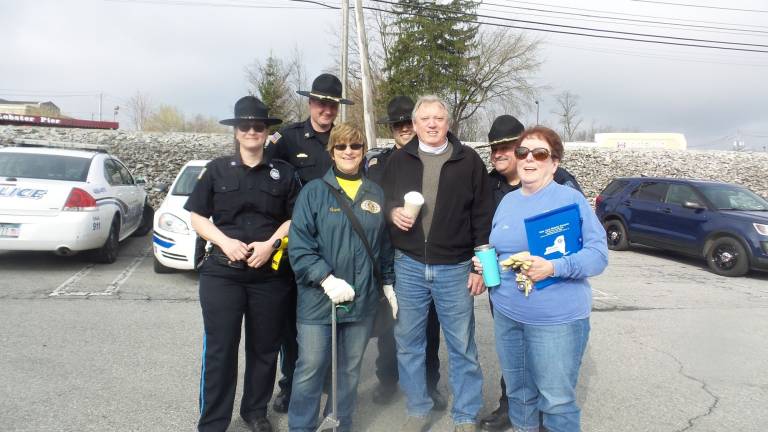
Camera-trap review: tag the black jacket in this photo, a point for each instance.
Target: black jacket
(501, 187)
(463, 209)
(375, 162)
(302, 147)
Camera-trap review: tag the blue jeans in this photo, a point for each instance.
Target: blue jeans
(540, 364)
(417, 285)
(314, 363)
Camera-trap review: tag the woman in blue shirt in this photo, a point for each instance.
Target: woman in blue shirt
(541, 338)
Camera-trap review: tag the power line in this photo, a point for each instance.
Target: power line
(518, 27)
(701, 6)
(209, 4)
(644, 21)
(670, 56)
(636, 15)
(570, 27)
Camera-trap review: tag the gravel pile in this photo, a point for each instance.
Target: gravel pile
(158, 157)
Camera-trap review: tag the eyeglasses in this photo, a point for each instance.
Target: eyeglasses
(539, 153)
(256, 126)
(343, 147)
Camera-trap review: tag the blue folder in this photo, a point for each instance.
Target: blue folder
(554, 234)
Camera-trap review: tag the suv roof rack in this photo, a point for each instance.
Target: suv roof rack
(28, 142)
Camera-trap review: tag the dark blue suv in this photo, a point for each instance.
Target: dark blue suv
(725, 223)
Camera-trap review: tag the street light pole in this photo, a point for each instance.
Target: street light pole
(537, 112)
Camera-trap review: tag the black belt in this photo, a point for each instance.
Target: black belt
(221, 258)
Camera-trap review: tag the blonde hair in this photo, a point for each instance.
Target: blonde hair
(346, 133)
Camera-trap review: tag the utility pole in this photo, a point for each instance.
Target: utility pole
(362, 41)
(101, 100)
(344, 56)
(537, 112)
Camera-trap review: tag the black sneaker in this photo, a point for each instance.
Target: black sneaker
(281, 402)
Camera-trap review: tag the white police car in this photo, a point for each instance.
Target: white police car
(173, 239)
(68, 197)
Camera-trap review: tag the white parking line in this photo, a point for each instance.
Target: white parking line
(62, 289)
(111, 289)
(122, 277)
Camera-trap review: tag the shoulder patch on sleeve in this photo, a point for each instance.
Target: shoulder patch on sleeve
(274, 138)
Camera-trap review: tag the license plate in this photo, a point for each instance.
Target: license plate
(10, 230)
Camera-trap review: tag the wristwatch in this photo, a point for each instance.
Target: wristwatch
(277, 243)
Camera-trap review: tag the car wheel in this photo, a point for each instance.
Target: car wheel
(147, 217)
(616, 234)
(727, 257)
(160, 268)
(107, 254)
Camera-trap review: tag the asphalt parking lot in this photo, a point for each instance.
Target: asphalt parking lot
(117, 348)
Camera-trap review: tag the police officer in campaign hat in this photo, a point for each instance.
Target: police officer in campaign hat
(399, 111)
(503, 139)
(303, 145)
(242, 205)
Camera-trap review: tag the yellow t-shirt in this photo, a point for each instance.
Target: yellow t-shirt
(350, 186)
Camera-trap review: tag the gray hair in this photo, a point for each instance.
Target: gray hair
(430, 99)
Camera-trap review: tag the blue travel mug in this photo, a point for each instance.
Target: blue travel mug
(487, 256)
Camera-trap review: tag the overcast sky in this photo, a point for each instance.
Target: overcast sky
(194, 57)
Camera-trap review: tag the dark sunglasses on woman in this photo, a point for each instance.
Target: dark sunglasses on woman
(539, 153)
(343, 147)
(256, 126)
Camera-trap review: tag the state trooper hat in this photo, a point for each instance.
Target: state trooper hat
(398, 110)
(326, 87)
(505, 128)
(251, 108)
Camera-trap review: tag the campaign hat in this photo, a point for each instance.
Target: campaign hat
(505, 128)
(326, 87)
(251, 108)
(398, 110)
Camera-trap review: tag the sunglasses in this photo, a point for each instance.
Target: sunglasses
(343, 147)
(402, 124)
(256, 126)
(539, 153)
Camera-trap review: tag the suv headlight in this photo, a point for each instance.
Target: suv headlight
(761, 228)
(172, 223)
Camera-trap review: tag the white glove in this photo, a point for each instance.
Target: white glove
(338, 290)
(389, 294)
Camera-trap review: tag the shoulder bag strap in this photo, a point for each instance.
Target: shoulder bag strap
(357, 227)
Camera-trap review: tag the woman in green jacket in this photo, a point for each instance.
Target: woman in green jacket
(332, 267)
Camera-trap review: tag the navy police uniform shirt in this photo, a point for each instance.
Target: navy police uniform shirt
(304, 148)
(375, 161)
(246, 203)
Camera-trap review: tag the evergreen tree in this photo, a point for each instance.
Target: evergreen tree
(432, 48)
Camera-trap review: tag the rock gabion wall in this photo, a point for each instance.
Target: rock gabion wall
(158, 157)
(153, 155)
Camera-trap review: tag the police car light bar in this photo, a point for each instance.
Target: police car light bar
(27, 142)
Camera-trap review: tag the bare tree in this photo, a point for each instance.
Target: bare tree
(568, 114)
(139, 110)
(297, 80)
(499, 71)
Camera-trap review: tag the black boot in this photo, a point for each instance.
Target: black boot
(497, 420)
(281, 402)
